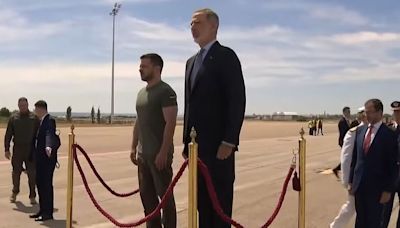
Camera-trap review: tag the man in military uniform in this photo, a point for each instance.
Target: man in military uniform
(21, 129)
(395, 126)
(348, 210)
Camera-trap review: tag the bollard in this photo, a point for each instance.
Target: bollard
(302, 174)
(192, 210)
(70, 184)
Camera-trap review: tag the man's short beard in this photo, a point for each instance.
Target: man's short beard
(147, 77)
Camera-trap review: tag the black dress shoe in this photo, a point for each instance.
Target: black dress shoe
(37, 215)
(43, 218)
(336, 173)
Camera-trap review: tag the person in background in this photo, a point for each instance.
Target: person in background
(46, 147)
(319, 126)
(395, 126)
(343, 126)
(21, 129)
(348, 209)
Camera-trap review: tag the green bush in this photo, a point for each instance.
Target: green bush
(5, 112)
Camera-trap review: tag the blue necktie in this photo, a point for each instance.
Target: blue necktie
(196, 67)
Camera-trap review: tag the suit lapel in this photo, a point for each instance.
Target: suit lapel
(43, 125)
(376, 138)
(347, 122)
(209, 57)
(361, 138)
(189, 72)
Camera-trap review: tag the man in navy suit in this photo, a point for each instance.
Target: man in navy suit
(343, 126)
(215, 106)
(46, 158)
(374, 168)
(395, 126)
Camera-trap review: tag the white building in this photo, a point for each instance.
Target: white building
(284, 116)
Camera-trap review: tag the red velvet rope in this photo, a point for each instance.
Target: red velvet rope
(101, 179)
(281, 199)
(217, 206)
(213, 196)
(150, 216)
(156, 212)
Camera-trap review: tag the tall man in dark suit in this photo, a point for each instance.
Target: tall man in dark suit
(214, 106)
(46, 159)
(344, 126)
(374, 167)
(395, 126)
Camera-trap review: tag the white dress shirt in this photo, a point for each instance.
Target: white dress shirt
(374, 131)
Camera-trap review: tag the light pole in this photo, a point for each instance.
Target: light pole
(113, 13)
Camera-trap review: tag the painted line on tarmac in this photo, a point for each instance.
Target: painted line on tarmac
(95, 154)
(177, 148)
(91, 155)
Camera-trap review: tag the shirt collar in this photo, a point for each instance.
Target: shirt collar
(41, 120)
(207, 47)
(376, 125)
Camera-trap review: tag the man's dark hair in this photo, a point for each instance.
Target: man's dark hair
(345, 109)
(22, 99)
(41, 104)
(378, 106)
(155, 59)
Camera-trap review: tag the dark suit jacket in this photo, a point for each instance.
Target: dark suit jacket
(343, 128)
(377, 170)
(45, 138)
(397, 132)
(215, 106)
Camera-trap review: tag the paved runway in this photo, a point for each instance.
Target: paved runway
(261, 166)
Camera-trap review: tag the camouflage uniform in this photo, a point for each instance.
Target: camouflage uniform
(21, 129)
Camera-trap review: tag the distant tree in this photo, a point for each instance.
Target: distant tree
(5, 112)
(98, 115)
(69, 114)
(92, 115)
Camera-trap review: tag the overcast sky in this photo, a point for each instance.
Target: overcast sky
(303, 56)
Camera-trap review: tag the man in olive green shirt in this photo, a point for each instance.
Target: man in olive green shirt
(21, 129)
(152, 144)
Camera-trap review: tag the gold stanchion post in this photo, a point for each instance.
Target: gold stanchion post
(302, 174)
(192, 210)
(70, 171)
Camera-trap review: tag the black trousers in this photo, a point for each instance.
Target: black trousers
(44, 181)
(223, 176)
(370, 213)
(338, 167)
(388, 210)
